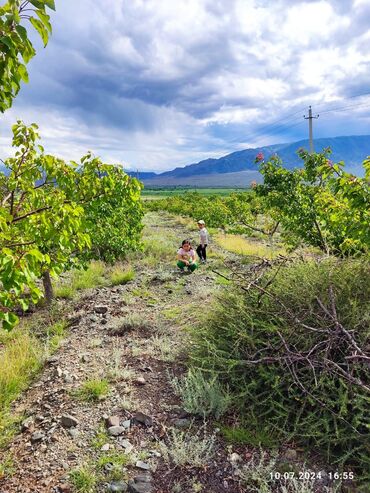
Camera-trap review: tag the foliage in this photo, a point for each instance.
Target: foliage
(15, 44)
(320, 204)
(202, 396)
(47, 216)
(239, 210)
(293, 349)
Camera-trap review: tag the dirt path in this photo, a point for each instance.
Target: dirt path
(133, 336)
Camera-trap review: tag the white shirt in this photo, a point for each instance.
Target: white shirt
(203, 234)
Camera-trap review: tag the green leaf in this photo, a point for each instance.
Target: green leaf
(39, 26)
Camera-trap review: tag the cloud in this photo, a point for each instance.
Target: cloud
(160, 84)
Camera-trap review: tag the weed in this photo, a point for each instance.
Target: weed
(116, 372)
(55, 333)
(101, 438)
(164, 347)
(113, 464)
(93, 390)
(83, 479)
(202, 396)
(128, 404)
(183, 448)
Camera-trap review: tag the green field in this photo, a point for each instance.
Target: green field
(152, 193)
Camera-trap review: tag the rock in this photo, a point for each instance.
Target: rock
(115, 431)
(143, 478)
(181, 423)
(126, 445)
(234, 457)
(142, 465)
(38, 436)
(27, 424)
(117, 486)
(69, 421)
(139, 487)
(68, 379)
(179, 412)
(64, 488)
(290, 454)
(140, 381)
(59, 371)
(100, 309)
(85, 358)
(73, 432)
(143, 419)
(105, 447)
(112, 421)
(127, 424)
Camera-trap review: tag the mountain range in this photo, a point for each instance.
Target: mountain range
(238, 169)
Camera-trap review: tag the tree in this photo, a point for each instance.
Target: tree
(16, 49)
(46, 216)
(319, 204)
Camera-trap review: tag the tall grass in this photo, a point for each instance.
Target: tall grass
(243, 246)
(20, 358)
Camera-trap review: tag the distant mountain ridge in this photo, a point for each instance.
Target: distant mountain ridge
(241, 165)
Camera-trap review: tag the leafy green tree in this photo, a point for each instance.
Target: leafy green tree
(47, 216)
(16, 49)
(320, 204)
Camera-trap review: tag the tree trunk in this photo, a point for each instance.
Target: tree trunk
(48, 287)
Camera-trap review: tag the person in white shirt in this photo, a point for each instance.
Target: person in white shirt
(203, 241)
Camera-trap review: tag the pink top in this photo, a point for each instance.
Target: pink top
(186, 255)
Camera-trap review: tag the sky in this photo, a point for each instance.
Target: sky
(155, 84)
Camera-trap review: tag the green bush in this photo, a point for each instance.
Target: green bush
(288, 376)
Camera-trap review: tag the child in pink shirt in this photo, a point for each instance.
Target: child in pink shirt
(186, 257)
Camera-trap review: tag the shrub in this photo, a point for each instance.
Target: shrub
(202, 396)
(297, 357)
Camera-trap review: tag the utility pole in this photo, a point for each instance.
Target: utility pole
(310, 118)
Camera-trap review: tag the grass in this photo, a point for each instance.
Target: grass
(252, 435)
(21, 358)
(243, 246)
(121, 275)
(97, 274)
(77, 280)
(101, 438)
(83, 479)
(93, 390)
(113, 462)
(202, 396)
(6, 466)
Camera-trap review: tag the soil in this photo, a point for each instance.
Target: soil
(44, 453)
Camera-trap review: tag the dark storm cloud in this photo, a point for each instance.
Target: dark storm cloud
(175, 79)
